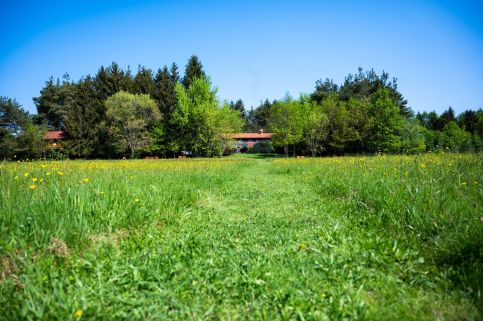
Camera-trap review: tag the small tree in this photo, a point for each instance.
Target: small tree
(13, 120)
(286, 122)
(455, 138)
(130, 116)
(202, 125)
(413, 137)
(388, 123)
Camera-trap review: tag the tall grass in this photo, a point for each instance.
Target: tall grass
(376, 238)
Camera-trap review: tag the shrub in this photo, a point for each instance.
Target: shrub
(263, 147)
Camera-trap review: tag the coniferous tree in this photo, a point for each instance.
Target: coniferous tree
(143, 81)
(174, 73)
(364, 84)
(84, 120)
(323, 89)
(194, 70)
(113, 79)
(240, 107)
(165, 97)
(446, 117)
(258, 117)
(50, 104)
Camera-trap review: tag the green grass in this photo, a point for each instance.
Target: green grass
(243, 238)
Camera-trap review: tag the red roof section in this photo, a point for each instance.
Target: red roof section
(251, 135)
(55, 134)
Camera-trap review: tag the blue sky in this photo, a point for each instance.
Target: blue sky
(252, 49)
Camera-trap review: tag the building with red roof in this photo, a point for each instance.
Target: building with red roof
(54, 137)
(248, 140)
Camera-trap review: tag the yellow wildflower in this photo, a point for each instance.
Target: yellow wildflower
(78, 313)
(86, 180)
(48, 174)
(32, 187)
(26, 174)
(136, 200)
(41, 180)
(60, 173)
(34, 179)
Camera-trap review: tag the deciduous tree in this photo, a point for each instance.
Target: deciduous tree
(130, 116)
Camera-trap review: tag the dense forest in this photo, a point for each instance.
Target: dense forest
(116, 114)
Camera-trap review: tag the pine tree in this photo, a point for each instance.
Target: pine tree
(50, 104)
(84, 120)
(113, 79)
(194, 70)
(165, 96)
(240, 107)
(174, 73)
(143, 81)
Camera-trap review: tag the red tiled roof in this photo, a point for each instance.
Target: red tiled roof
(251, 135)
(55, 134)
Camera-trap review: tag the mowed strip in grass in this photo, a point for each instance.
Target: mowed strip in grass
(365, 238)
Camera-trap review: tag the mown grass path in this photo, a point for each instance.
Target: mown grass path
(255, 239)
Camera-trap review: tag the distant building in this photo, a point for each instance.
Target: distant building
(244, 141)
(54, 137)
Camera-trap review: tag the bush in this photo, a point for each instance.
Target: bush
(263, 147)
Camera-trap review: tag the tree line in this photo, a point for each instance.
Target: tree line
(365, 114)
(117, 114)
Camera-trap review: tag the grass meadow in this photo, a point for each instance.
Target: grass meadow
(243, 238)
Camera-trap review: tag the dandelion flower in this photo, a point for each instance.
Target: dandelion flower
(26, 174)
(32, 187)
(60, 173)
(78, 313)
(48, 174)
(86, 180)
(34, 179)
(41, 180)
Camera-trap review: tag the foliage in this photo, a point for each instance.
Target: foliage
(165, 96)
(19, 137)
(202, 126)
(455, 138)
(258, 117)
(129, 116)
(387, 123)
(413, 137)
(262, 147)
(286, 122)
(364, 114)
(194, 70)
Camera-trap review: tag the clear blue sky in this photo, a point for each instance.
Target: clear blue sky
(252, 49)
